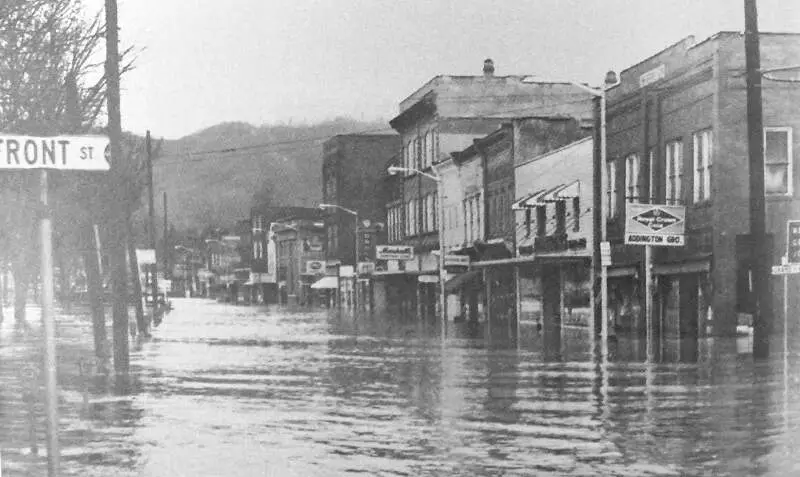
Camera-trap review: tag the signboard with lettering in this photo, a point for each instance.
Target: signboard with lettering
(793, 241)
(651, 76)
(789, 269)
(366, 268)
(394, 252)
(76, 153)
(315, 267)
(655, 224)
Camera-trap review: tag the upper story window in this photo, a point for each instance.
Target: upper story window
(611, 199)
(673, 172)
(778, 161)
(702, 160)
(472, 218)
(633, 185)
(541, 220)
(576, 214)
(394, 216)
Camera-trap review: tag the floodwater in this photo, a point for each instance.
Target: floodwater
(222, 390)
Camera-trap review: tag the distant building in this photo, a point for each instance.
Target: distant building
(352, 167)
(263, 271)
(300, 256)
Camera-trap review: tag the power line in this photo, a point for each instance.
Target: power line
(192, 155)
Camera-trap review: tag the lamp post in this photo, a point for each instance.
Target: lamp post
(355, 263)
(600, 93)
(440, 206)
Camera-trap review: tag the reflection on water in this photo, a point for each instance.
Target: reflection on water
(223, 390)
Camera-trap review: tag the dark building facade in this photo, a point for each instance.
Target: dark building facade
(677, 135)
(352, 167)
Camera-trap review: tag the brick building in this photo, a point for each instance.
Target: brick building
(444, 116)
(352, 168)
(677, 134)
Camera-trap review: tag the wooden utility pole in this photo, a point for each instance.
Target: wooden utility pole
(152, 224)
(117, 225)
(166, 238)
(762, 244)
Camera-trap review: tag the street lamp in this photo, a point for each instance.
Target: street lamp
(610, 81)
(392, 170)
(355, 262)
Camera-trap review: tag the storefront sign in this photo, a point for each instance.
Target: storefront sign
(793, 241)
(655, 224)
(652, 76)
(394, 252)
(366, 268)
(315, 267)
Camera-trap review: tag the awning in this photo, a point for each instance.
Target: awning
(326, 283)
(460, 280)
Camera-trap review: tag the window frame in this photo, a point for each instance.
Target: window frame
(611, 188)
(673, 169)
(789, 158)
(633, 185)
(702, 166)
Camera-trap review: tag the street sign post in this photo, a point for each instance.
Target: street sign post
(76, 153)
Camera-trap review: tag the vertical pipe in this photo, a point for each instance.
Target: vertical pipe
(762, 321)
(48, 325)
(648, 249)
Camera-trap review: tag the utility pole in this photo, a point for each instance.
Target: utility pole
(762, 245)
(152, 223)
(166, 237)
(117, 227)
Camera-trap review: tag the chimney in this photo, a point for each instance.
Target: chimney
(488, 68)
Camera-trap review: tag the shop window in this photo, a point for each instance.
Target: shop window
(541, 220)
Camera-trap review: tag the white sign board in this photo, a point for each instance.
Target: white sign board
(394, 252)
(67, 153)
(605, 254)
(456, 260)
(790, 269)
(366, 268)
(651, 76)
(146, 256)
(655, 224)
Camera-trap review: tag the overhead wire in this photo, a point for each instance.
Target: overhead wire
(203, 155)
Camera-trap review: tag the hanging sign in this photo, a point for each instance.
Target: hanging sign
(67, 153)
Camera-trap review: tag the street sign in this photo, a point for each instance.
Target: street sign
(394, 252)
(655, 224)
(793, 241)
(456, 260)
(789, 269)
(67, 153)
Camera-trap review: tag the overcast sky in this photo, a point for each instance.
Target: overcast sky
(265, 61)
